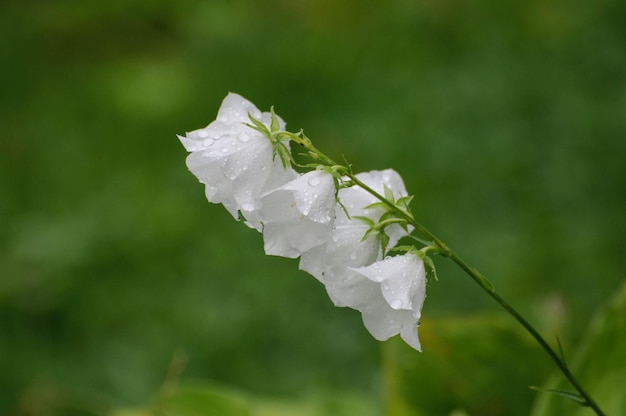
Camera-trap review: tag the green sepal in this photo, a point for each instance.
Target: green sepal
(429, 266)
(366, 220)
(389, 194)
(258, 126)
(376, 205)
(283, 153)
(275, 124)
(420, 240)
(405, 201)
(402, 249)
(384, 241)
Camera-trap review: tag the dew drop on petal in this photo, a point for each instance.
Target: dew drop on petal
(243, 138)
(225, 150)
(314, 181)
(246, 206)
(396, 304)
(353, 255)
(203, 133)
(208, 142)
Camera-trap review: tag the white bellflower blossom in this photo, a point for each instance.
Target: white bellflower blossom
(235, 162)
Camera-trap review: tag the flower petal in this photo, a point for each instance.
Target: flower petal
(298, 216)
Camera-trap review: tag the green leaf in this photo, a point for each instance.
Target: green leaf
(478, 364)
(598, 364)
(572, 395)
(202, 400)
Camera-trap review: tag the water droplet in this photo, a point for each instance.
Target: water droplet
(243, 138)
(225, 150)
(246, 206)
(314, 181)
(396, 304)
(208, 142)
(203, 133)
(353, 255)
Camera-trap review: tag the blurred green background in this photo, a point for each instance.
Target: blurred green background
(120, 284)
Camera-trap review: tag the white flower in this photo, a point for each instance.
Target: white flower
(298, 215)
(235, 162)
(331, 262)
(398, 306)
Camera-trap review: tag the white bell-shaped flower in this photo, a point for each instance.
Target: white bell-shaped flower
(330, 262)
(298, 215)
(398, 306)
(235, 162)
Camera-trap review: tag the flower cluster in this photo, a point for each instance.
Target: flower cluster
(337, 223)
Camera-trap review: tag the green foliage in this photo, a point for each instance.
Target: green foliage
(599, 361)
(481, 365)
(506, 120)
(201, 400)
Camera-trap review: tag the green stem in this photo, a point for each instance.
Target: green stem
(488, 287)
(481, 280)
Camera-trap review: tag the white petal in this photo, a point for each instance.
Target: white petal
(292, 238)
(314, 195)
(409, 334)
(402, 279)
(235, 109)
(347, 288)
(381, 321)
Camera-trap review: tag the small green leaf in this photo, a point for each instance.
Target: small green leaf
(572, 395)
(202, 400)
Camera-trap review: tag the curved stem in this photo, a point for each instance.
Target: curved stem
(486, 285)
(481, 280)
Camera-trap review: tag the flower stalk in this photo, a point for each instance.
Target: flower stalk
(441, 248)
(342, 225)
